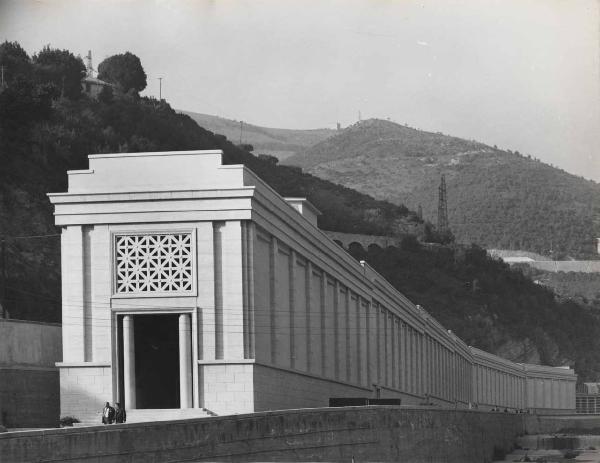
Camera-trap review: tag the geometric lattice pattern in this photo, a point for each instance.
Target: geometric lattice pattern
(154, 263)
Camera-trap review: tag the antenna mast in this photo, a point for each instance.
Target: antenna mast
(442, 224)
(90, 69)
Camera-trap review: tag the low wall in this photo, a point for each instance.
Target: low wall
(583, 266)
(326, 434)
(546, 424)
(29, 398)
(27, 343)
(29, 381)
(283, 389)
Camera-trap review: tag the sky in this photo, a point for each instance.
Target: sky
(520, 74)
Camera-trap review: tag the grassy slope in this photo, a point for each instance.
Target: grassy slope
(495, 198)
(578, 286)
(280, 143)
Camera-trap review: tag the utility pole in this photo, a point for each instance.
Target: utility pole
(2, 67)
(241, 131)
(442, 224)
(160, 88)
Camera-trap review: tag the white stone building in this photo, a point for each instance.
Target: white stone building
(189, 284)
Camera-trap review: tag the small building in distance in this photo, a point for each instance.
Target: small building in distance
(91, 85)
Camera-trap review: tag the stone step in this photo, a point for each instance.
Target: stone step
(149, 415)
(144, 415)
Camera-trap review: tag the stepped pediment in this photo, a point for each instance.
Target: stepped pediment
(160, 171)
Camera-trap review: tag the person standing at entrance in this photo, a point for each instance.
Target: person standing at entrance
(108, 414)
(120, 415)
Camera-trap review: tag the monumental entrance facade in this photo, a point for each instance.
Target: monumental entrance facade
(190, 284)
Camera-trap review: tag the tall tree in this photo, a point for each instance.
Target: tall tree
(124, 70)
(61, 68)
(15, 62)
(24, 103)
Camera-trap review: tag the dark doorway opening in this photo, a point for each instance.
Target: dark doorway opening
(157, 361)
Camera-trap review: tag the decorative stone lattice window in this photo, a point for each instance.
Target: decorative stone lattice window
(154, 263)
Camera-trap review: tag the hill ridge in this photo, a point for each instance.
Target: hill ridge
(278, 142)
(496, 198)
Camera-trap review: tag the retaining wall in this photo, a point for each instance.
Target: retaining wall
(585, 266)
(326, 434)
(29, 381)
(545, 424)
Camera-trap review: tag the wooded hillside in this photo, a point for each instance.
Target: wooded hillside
(496, 198)
(48, 126)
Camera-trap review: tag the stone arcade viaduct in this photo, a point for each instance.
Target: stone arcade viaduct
(188, 284)
(346, 239)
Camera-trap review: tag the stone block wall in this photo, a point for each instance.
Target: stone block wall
(29, 398)
(28, 343)
(29, 381)
(277, 389)
(83, 392)
(344, 434)
(548, 424)
(227, 387)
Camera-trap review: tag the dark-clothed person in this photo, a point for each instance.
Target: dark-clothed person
(120, 415)
(108, 414)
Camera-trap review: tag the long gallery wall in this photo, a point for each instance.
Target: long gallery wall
(264, 311)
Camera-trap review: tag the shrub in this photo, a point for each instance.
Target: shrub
(499, 454)
(571, 454)
(68, 421)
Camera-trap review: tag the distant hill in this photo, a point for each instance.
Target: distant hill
(496, 198)
(281, 143)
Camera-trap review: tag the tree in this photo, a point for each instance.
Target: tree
(23, 103)
(431, 235)
(15, 62)
(246, 147)
(61, 68)
(123, 70)
(106, 95)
